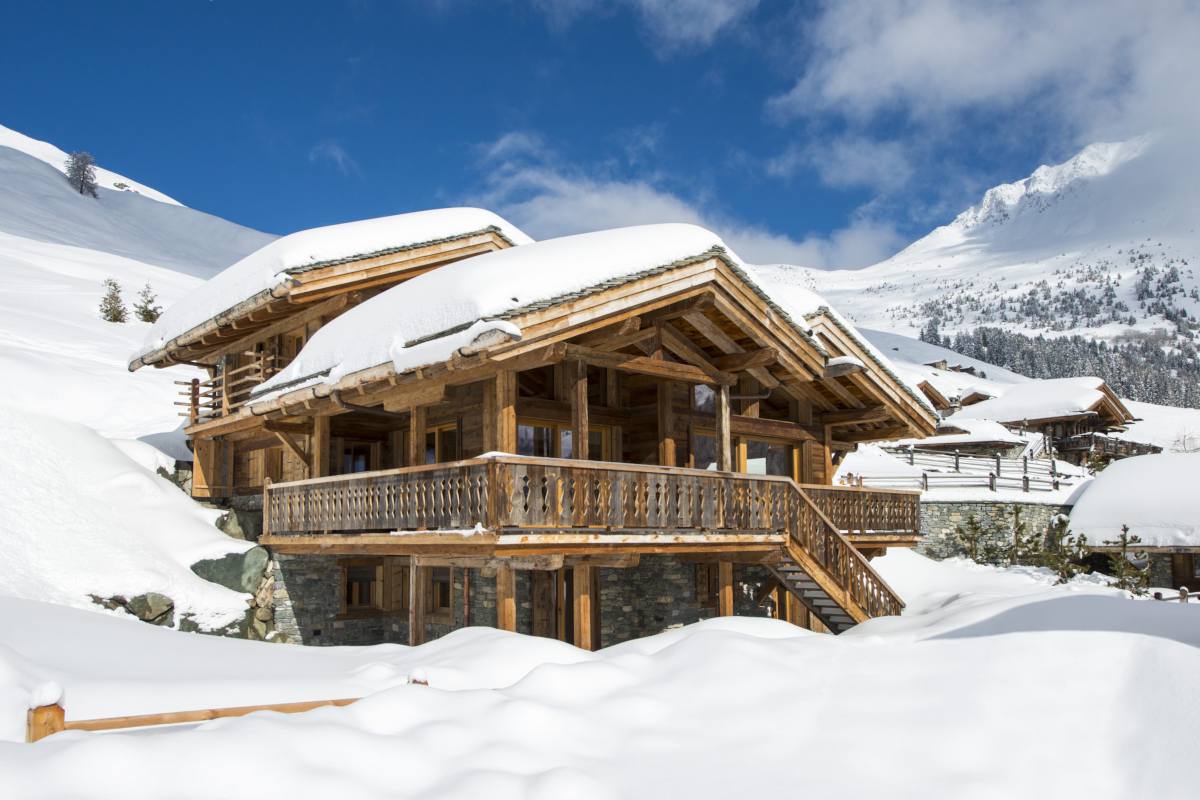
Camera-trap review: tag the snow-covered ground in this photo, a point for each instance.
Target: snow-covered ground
(82, 511)
(993, 684)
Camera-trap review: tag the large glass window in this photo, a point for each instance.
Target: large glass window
(768, 458)
(442, 445)
(704, 451)
(555, 440)
(535, 440)
(704, 399)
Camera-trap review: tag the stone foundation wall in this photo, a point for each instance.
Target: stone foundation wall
(660, 593)
(1161, 573)
(657, 594)
(939, 520)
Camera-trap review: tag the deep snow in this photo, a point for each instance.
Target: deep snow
(993, 684)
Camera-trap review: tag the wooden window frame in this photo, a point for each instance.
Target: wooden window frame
(434, 611)
(439, 457)
(604, 431)
(708, 585)
(389, 587)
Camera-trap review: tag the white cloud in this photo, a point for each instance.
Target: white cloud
(672, 24)
(549, 198)
(335, 154)
(1101, 68)
(848, 161)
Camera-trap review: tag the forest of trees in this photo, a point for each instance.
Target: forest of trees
(1153, 369)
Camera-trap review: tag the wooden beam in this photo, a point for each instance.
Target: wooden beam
(683, 347)
(542, 589)
(740, 362)
(506, 598)
(581, 580)
(291, 444)
(723, 434)
(298, 428)
(854, 416)
(666, 424)
(609, 340)
(506, 411)
(725, 588)
(318, 466)
(416, 602)
(578, 396)
(416, 436)
(643, 365)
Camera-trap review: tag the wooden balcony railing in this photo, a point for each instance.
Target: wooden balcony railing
(507, 493)
(855, 510)
(225, 392)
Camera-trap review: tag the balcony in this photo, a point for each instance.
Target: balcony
(225, 392)
(522, 504)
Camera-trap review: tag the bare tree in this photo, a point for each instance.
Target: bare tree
(81, 172)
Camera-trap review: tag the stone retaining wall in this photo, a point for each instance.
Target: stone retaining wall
(939, 520)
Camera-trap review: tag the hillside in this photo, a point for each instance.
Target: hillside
(1092, 266)
(81, 510)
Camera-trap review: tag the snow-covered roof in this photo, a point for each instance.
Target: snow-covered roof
(269, 267)
(1044, 399)
(965, 431)
(425, 320)
(1155, 495)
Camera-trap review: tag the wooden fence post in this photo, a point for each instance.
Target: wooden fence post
(43, 721)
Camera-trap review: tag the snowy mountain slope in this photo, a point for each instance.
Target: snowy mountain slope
(81, 510)
(37, 203)
(1105, 243)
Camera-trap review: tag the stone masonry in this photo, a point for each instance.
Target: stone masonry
(940, 519)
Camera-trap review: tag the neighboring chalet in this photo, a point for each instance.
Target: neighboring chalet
(1075, 415)
(1155, 497)
(590, 438)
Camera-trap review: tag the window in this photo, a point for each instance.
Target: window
(439, 600)
(704, 399)
(707, 585)
(768, 458)
(704, 451)
(442, 444)
(555, 440)
(356, 457)
(374, 586)
(362, 587)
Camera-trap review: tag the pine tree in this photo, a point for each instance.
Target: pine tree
(973, 539)
(81, 172)
(112, 306)
(145, 308)
(1129, 576)
(1067, 554)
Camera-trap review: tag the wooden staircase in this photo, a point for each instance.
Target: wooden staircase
(812, 595)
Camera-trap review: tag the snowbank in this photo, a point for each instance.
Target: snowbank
(80, 517)
(1175, 430)
(974, 431)
(269, 266)
(727, 707)
(1155, 495)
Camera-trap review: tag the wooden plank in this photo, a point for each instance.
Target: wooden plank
(725, 589)
(543, 602)
(44, 721)
(416, 602)
(506, 411)
(740, 362)
(581, 579)
(683, 347)
(291, 444)
(506, 598)
(577, 376)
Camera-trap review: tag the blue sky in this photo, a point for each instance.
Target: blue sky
(822, 134)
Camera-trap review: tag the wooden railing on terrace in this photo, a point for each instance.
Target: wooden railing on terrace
(504, 493)
(225, 392)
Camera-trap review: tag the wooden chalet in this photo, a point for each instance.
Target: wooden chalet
(589, 438)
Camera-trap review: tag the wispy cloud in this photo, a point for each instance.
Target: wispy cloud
(670, 24)
(332, 152)
(530, 184)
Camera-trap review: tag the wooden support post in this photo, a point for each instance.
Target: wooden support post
(506, 598)
(577, 378)
(581, 580)
(543, 602)
(505, 411)
(43, 721)
(416, 436)
(416, 602)
(666, 424)
(724, 435)
(725, 588)
(318, 448)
